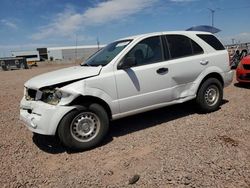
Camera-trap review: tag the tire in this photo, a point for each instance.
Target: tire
(210, 95)
(6, 67)
(85, 128)
(22, 66)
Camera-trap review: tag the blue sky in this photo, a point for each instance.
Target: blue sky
(28, 24)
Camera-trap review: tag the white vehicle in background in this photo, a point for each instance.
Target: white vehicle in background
(32, 57)
(128, 76)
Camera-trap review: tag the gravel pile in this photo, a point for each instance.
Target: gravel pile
(169, 147)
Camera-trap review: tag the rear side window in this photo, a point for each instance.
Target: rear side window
(182, 46)
(212, 41)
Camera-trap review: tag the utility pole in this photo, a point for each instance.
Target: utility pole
(212, 13)
(98, 43)
(76, 48)
(76, 51)
(233, 41)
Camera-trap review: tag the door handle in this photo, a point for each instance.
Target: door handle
(162, 70)
(204, 62)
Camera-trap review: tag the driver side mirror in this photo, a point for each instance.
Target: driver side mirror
(127, 63)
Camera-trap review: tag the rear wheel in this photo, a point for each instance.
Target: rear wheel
(210, 95)
(85, 128)
(22, 66)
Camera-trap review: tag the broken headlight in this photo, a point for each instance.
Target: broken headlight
(53, 96)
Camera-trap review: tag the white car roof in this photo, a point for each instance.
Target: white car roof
(164, 33)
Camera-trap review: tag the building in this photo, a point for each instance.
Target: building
(72, 52)
(43, 53)
(59, 53)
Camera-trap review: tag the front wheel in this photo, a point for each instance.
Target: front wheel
(210, 95)
(84, 129)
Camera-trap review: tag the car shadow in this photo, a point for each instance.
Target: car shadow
(242, 85)
(48, 144)
(150, 119)
(124, 126)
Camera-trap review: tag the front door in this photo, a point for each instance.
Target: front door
(148, 82)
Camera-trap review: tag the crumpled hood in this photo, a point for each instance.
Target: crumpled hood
(62, 75)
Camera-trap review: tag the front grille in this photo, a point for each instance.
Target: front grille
(30, 94)
(246, 66)
(245, 77)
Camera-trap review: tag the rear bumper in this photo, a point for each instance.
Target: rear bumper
(228, 77)
(40, 117)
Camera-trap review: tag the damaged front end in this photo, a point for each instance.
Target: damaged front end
(52, 95)
(47, 95)
(42, 109)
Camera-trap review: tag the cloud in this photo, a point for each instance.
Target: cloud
(64, 24)
(243, 37)
(8, 23)
(114, 10)
(69, 21)
(237, 38)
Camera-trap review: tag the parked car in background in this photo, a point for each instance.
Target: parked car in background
(127, 77)
(243, 70)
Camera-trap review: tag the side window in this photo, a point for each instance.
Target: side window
(147, 51)
(179, 46)
(196, 48)
(182, 46)
(212, 41)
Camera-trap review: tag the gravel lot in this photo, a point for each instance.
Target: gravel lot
(169, 147)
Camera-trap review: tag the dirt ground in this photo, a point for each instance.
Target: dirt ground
(169, 147)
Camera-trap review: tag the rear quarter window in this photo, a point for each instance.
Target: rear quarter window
(212, 41)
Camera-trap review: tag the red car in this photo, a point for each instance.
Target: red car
(243, 70)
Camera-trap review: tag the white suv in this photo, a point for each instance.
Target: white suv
(128, 76)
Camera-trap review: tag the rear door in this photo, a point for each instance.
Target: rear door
(185, 64)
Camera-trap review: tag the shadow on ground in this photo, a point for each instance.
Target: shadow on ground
(242, 85)
(125, 126)
(49, 144)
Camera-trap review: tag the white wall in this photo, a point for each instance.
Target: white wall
(55, 53)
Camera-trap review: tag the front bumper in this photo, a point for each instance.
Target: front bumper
(243, 75)
(42, 118)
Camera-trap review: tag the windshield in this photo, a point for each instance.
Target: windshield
(107, 54)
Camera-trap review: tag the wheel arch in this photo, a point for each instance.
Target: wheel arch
(87, 100)
(211, 75)
(80, 101)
